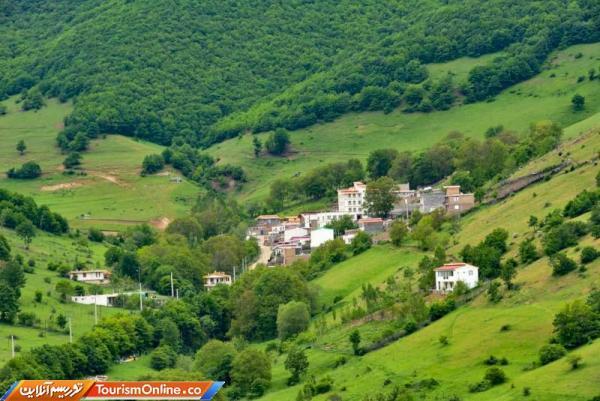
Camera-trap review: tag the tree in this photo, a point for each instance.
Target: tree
(379, 198)
(28, 171)
(215, 360)
(341, 224)
(251, 372)
(95, 235)
(292, 319)
(79, 143)
(508, 272)
(21, 147)
(380, 161)
(257, 146)
(72, 160)
(152, 164)
(495, 376)
(576, 324)
(528, 252)
(4, 248)
(574, 360)
(588, 254)
(562, 264)
(296, 363)
(9, 303)
(278, 142)
(163, 357)
(497, 239)
(551, 352)
(360, 243)
(13, 275)
(26, 231)
(355, 341)
(398, 232)
(578, 102)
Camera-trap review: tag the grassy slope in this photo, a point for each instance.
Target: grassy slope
(112, 189)
(474, 330)
(355, 135)
(47, 248)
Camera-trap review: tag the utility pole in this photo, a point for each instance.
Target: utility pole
(70, 331)
(177, 293)
(96, 309)
(172, 288)
(12, 345)
(141, 302)
(234, 274)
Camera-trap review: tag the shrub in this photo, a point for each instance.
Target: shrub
(28, 171)
(562, 264)
(95, 235)
(324, 385)
(152, 164)
(589, 254)
(163, 357)
(574, 360)
(492, 360)
(360, 243)
(551, 352)
(292, 319)
(495, 376)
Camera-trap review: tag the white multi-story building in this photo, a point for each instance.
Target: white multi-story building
(448, 275)
(351, 200)
(321, 219)
(320, 236)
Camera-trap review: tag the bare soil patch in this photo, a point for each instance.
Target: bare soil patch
(58, 187)
(161, 223)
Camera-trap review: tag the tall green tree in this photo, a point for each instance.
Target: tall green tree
(292, 319)
(379, 197)
(297, 364)
(26, 231)
(21, 147)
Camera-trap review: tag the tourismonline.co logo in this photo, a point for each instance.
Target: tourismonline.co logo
(76, 390)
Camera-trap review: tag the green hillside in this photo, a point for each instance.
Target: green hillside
(112, 167)
(547, 96)
(474, 331)
(208, 71)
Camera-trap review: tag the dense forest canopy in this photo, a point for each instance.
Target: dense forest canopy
(210, 70)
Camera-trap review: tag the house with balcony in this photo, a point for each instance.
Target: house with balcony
(448, 275)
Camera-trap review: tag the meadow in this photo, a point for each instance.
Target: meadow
(355, 135)
(473, 331)
(111, 195)
(50, 248)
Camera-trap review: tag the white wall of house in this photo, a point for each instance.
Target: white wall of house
(294, 232)
(446, 279)
(320, 236)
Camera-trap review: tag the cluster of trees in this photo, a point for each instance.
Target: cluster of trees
(93, 353)
(28, 171)
(318, 183)
(21, 211)
(488, 253)
(12, 280)
(194, 164)
(471, 162)
(354, 59)
(392, 73)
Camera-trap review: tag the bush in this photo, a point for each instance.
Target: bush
(152, 164)
(292, 319)
(27, 319)
(28, 171)
(95, 235)
(576, 324)
(589, 254)
(551, 352)
(324, 385)
(495, 376)
(438, 310)
(163, 357)
(278, 142)
(561, 264)
(360, 243)
(72, 160)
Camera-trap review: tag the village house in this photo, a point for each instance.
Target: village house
(351, 200)
(215, 278)
(100, 300)
(349, 236)
(456, 202)
(320, 236)
(286, 254)
(371, 225)
(265, 223)
(448, 275)
(90, 276)
(321, 219)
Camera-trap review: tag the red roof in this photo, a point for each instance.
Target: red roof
(370, 220)
(450, 266)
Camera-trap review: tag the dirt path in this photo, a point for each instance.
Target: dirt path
(265, 253)
(161, 223)
(58, 187)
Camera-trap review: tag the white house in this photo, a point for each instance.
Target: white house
(320, 236)
(321, 219)
(90, 276)
(294, 233)
(215, 278)
(351, 200)
(448, 275)
(100, 300)
(349, 236)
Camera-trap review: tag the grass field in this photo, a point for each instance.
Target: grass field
(46, 248)
(111, 196)
(473, 330)
(546, 96)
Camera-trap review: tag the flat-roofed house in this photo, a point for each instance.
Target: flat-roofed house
(90, 276)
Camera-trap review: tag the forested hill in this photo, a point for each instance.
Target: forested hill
(207, 70)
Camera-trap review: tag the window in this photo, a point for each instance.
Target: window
(456, 207)
(470, 272)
